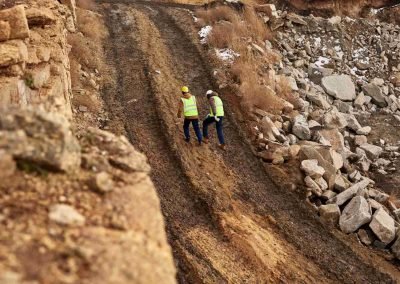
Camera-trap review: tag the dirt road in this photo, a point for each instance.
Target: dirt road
(227, 221)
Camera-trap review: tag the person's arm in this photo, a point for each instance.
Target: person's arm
(213, 107)
(180, 109)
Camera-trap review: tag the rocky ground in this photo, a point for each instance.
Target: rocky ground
(343, 71)
(79, 204)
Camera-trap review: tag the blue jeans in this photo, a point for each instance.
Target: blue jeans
(195, 123)
(218, 126)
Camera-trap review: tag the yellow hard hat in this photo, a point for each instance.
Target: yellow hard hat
(185, 89)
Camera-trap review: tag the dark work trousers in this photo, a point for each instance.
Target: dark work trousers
(195, 123)
(218, 126)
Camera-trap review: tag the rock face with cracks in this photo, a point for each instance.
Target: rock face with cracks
(356, 214)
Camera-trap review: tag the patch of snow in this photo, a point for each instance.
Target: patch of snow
(322, 61)
(339, 51)
(375, 11)
(226, 54)
(317, 42)
(204, 32)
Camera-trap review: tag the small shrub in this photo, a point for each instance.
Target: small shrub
(214, 15)
(257, 95)
(88, 24)
(222, 35)
(284, 91)
(29, 81)
(257, 29)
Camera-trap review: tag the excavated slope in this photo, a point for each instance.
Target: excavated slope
(226, 220)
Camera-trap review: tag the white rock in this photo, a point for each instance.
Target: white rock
(311, 184)
(373, 152)
(335, 20)
(356, 214)
(352, 122)
(300, 128)
(342, 197)
(382, 225)
(311, 168)
(364, 130)
(360, 100)
(66, 215)
(340, 87)
(340, 184)
(321, 183)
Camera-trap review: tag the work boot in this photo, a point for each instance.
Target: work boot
(200, 143)
(205, 140)
(187, 140)
(222, 146)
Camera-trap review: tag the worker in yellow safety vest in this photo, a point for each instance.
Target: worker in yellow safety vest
(216, 115)
(188, 106)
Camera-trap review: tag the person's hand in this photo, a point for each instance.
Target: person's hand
(216, 118)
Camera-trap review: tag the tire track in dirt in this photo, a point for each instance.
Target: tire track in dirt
(192, 232)
(187, 218)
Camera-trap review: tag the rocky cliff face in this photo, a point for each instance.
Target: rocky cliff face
(74, 207)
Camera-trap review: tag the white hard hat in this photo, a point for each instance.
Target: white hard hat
(209, 92)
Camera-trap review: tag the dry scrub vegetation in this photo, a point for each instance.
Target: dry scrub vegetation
(86, 56)
(241, 30)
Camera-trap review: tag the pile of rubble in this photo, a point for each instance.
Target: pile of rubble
(340, 70)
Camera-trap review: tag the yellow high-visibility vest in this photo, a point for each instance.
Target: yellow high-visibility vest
(219, 106)
(190, 107)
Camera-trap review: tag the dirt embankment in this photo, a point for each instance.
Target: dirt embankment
(226, 219)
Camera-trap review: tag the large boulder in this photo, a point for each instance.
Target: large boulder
(17, 21)
(356, 214)
(352, 122)
(340, 87)
(13, 52)
(376, 94)
(382, 225)
(300, 128)
(373, 152)
(330, 213)
(41, 138)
